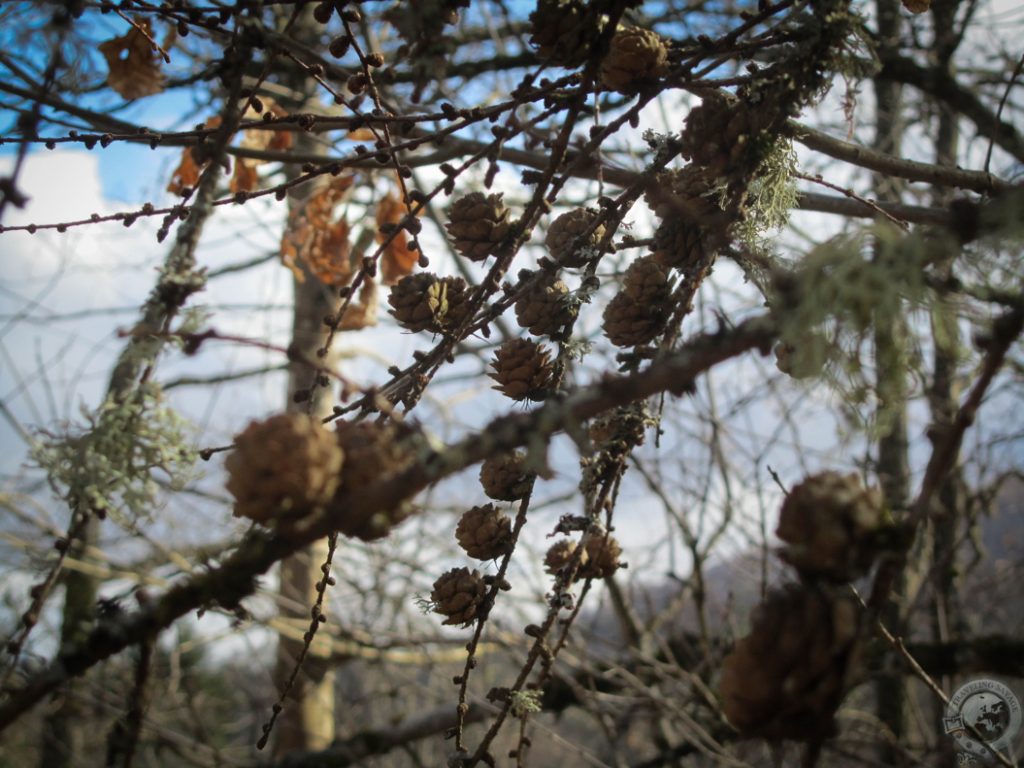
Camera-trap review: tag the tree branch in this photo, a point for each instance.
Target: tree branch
(943, 87)
(880, 162)
(235, 578)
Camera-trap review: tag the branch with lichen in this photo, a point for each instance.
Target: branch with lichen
(235, 577)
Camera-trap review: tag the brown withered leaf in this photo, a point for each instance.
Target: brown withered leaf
(186, 175)
(361, 134)
(398, 258)
(245, 178)
(133, 63)
(314, 239)
(362, 313)
(917, 6)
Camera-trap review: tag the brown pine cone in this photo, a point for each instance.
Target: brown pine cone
(523, 370)
(725, 137)
(485, 532)
(635, 57)
(679, 244)
(504, 477)
(282, 468)
(426, 302)
(603, 553)
(544, 310)
(832, 526)
(786, 679)
(689, 215)
(372, 450)
(478, 223)
(648, 282)
(559, 555)
(682, 194)
(459, 596)
(564, 241)
(565, 31)
(628, 323)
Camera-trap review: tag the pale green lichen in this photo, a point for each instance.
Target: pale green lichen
(524, 703)
(832, 307)
(852, 279)
(110, 465)
(770, 197)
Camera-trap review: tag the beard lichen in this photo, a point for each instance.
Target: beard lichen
(770, 197)
(109, 464)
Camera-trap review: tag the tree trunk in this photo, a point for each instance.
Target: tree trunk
(64, 729)
(943, 394)
(307, 721)
(890, 359)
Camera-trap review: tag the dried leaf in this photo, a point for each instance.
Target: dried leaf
(398, 258)
(186, 175)
(361, 134)
(133, 63)
(245, 178)
(917, 6)
(312, 237)
(253, 138)
(362, 313)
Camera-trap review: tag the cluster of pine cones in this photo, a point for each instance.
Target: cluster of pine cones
(485, 533)
(786, 678)
(569, 33)
(289, 467)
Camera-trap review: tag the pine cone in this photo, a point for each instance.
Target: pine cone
(565, 31)
(282, 468)
(831, 525)
(682, 194)
(647, 281)
(786, 678)
(372, 450)
(602, 561)
(426, 302)
(629, 323)
(544, 309)
(459, 595)
(636, 56)
(504, 478)
(564, 239)
(682, 200)
(559, 555)
(725, 137)
(523, 370)
(485, 532)
(679, 244)
(478, 223)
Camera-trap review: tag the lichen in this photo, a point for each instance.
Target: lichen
(109, 464)
(770, 197)
(524, 703)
